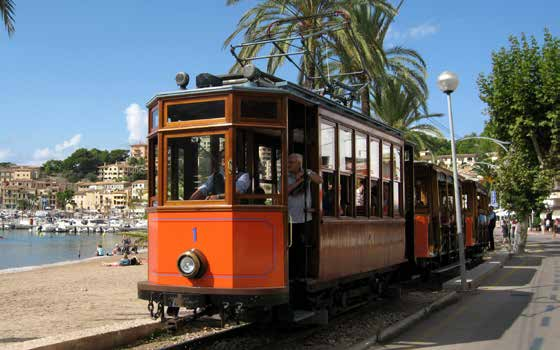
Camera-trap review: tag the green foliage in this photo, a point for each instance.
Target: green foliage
(63, 198)
(523, 97)
(7, 10)
(136, 161)
(83, 163)
(6, 164)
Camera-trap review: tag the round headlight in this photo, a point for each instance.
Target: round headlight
(191, 264)
(187, 265)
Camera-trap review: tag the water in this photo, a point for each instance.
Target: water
(21, 248)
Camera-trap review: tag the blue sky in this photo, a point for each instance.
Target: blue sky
(74, 70)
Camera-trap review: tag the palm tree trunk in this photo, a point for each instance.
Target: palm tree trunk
(364, 98)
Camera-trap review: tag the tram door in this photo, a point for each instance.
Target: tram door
(303, 139)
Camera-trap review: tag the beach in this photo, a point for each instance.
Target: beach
(69, 297)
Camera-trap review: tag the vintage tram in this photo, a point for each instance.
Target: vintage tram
(219, 229)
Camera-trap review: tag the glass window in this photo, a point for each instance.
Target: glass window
(196, 111)
(259, 108)
(396, 198)
(345, 150)
(361, 155)
(154, 115)
(258, 159)
(374, 198)
(387, 199)
(153, 170)
(387, 161)
(346, 194)
(327, 146)
(328, 194)
(421, 194)
(195, 167)
(361, 196)
(374, 158)
(397, 163)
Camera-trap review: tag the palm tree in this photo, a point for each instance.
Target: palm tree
(7, 12)
(257, 20)
(405, 110)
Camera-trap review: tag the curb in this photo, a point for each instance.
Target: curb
(95, 338)
(395, 329)
(476, 276)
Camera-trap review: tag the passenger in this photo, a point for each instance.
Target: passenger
(299, 198)
(491, 226)
(214, 187)
(100, 250)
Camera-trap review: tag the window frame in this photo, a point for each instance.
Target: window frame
(280, 106)
(164, 167)
(199, 122)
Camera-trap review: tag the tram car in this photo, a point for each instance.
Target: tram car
(475, 203)
(219, 229)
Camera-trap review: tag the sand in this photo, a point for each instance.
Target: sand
(66, 298)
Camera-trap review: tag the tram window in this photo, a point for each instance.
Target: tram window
(153, 166)
(195, 111)
(396, 198)
(421, 195)
(195, 167)
(154, 118)
(259, 108)
(374, 186)
(387, 199)
(258, 159)
(397, 163)
(361, 196)
(444, 202)
(465, 201)
(328, 194)
(345, 150)
(361, 155)
(374, 158)
(386, 161)
(327, 146)
(346, 192)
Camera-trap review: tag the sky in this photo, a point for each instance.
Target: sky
(78, 73)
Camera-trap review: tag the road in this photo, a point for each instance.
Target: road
(517, 308)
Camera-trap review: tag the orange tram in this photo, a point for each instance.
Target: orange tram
(219, 229)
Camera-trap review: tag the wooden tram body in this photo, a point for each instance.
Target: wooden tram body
(475, 203)
(241, 240)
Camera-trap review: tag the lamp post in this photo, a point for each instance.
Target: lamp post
(447, 83)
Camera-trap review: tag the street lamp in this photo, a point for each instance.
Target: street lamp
(447, 83)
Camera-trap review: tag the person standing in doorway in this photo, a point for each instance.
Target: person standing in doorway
(299, 199)
(491, 226)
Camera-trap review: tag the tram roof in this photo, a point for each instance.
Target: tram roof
(283, 87)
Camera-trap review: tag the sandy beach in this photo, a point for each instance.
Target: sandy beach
(68, 297)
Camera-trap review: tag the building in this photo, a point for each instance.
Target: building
(31, 194)
(140, 190)
(26, 172)
(139, 150)
(106, 196)
(6, 174)
(116, 171)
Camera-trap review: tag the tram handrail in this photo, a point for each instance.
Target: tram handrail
(291, 237)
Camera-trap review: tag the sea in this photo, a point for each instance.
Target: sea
(21, 248)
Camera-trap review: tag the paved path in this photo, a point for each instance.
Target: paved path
(517, 308)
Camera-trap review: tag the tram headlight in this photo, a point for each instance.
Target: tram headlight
(191, 264)
(182, 79)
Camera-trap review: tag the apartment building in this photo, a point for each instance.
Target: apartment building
(116, 171)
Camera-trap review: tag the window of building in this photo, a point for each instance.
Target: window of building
(258, 166)
(195, 168)
(154, 118)
(196, 111)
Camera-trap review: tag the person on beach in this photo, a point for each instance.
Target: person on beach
(117, 249)
(125, 261)
(100, 250)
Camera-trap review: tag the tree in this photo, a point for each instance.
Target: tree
(403, 110)
(7, 11)
(523, 97)
(255, 22)
(63, 198)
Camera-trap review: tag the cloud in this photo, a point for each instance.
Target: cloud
(58, 152)
(423, 30)
(136, 123)
(5, 153)
(416, 32)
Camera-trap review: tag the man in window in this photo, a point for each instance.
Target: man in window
(299, 199)
(214, 187)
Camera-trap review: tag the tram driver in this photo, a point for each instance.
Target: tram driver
(214, 187)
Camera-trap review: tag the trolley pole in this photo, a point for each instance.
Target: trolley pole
(447, 83)
(458, 214)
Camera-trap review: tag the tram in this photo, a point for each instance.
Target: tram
(219, 230)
